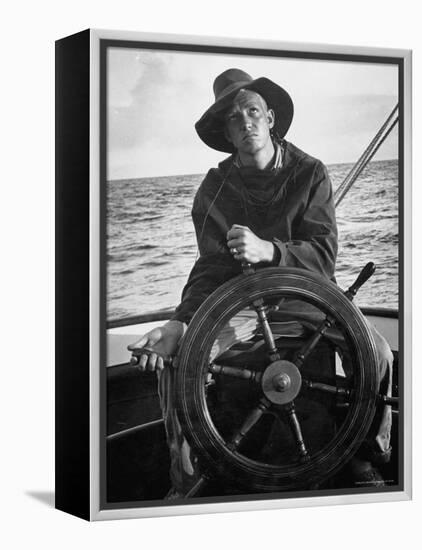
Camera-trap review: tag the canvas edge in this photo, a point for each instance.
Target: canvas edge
(313, 47)
(143, 512)
(407, 270)
(72, 443)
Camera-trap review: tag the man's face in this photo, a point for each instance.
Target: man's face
(248, 122)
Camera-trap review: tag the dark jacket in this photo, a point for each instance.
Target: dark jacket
(292, 207)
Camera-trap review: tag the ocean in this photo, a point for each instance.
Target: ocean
(151, 243)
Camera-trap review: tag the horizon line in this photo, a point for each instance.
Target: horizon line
(204, 173)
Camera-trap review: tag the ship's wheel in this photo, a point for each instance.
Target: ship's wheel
(285, 392)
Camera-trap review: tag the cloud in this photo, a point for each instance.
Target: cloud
(160, 111)
(155, 98)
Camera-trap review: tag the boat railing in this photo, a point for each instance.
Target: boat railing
(165, 315)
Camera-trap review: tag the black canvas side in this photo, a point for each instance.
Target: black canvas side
(72, 274)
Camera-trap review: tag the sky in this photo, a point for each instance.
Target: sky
(155, 97)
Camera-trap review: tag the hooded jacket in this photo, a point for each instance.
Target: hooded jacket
(292, 206)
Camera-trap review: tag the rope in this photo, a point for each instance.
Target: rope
(366, 156)
(210, 206)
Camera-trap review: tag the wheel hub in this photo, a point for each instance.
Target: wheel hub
(281, 382)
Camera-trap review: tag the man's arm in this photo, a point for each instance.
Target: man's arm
(313, 245)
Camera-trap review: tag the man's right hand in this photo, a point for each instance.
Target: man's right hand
(162, 341)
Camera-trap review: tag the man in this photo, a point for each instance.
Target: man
(267, 204)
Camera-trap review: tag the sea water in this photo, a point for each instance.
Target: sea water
(151, 244)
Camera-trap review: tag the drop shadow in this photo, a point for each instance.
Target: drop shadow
(45, 497)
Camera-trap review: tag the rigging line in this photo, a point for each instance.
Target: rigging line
(357, 168)
(365, 154)
(341, 197)
(365, 157)
(380, 131)
(340, 193)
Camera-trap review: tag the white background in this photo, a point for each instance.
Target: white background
(27, 274)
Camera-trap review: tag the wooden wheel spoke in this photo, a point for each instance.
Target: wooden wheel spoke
(345, 393)
(261, 311)
(235, 372)
(296, 431)
(249, 423)
(302, 354)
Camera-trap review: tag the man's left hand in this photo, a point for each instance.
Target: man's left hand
(245, 246)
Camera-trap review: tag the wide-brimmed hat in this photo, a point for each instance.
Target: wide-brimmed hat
(210, 126)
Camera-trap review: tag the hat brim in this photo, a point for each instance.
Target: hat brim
(210, 127)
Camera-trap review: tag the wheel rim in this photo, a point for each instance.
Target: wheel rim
(215, 454)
